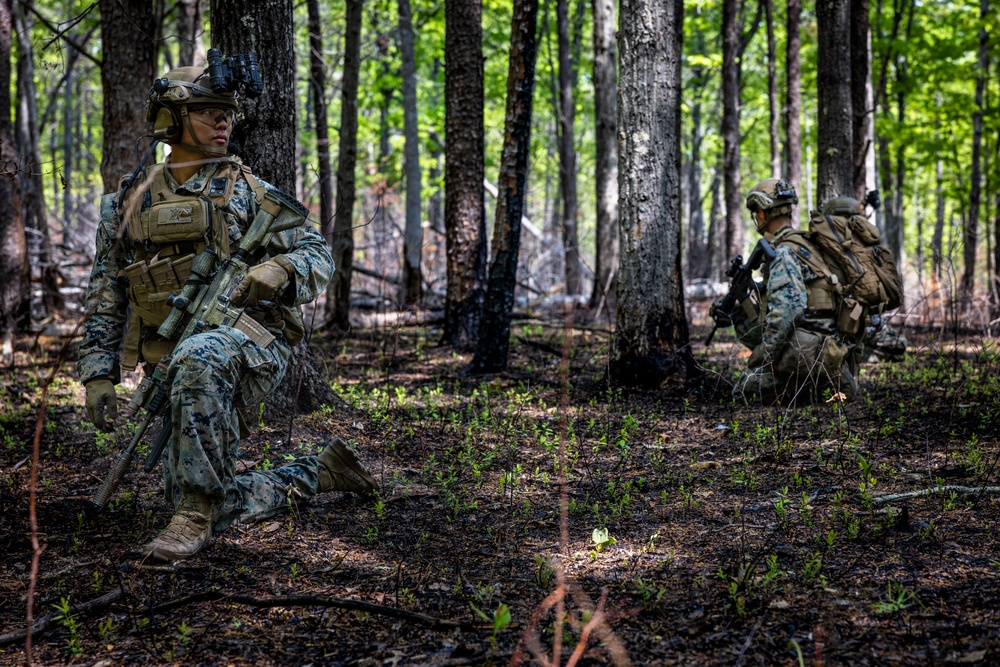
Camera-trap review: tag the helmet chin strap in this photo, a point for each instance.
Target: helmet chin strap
(205, 149)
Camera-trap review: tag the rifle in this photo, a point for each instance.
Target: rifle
(724, 311)
(203, 304)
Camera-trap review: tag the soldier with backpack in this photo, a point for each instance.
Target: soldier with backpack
(824, 290)
(797, 355)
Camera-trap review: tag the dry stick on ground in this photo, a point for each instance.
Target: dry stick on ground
(45, 622)
(312, 601)
(967, 490)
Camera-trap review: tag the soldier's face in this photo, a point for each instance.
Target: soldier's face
(212, 127)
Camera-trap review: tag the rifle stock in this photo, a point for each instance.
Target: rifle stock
(204, 303)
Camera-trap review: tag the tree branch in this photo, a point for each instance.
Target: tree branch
(967, 490)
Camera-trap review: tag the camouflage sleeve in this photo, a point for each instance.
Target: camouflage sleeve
(306, 249)
(106, 303)
(786, 302)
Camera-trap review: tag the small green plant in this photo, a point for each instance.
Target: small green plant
(544, 572)
(501, 619)
(897, 598)
(69, 624)
(184, 632)
(811, 570)
(602, 540)
(649, 593)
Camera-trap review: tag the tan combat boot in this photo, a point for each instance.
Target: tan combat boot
(187, 534)
(340, 470)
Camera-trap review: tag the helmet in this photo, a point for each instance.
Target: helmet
(842, 206)
(773, 196)
(170, 96)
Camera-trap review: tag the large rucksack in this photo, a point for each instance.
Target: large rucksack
(862, 278)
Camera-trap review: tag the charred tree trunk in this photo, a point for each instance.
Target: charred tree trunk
(338, 294)
(861, 81)
(317, 91)
(606, 149)
(15, 304)
(971, 232)
(464, 171)
(567, 154)
(731, 127)
(793, 102)
(190, 45)
(834, 169)
(772, 91)
(410, 290)
(127, 29)
(494, 331)
(650, 342)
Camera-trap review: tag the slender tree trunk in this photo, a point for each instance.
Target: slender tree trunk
(834, 169)
(30, 172)
(338, 295)
(567, 154)
(413, 235)
(127, 28)
(937, 240)
(69, 148)
(861, 75)
(317, 90)
(715, 224)
(772, 91)
(995, 287)
(494, 332)
(793, 101)
(650, 342)
(731, 126)
(606, 158)
(386, 91)
(15, 302)
(464, 171)
(971, 231)
(190, 45)
(697, 255)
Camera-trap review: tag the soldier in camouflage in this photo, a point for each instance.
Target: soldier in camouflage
(796, 356)
(148, 234)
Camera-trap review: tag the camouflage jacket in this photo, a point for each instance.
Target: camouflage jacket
(107, 294)
(785, 296)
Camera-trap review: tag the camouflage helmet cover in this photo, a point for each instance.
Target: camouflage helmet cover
(842, 206)
(774, 196)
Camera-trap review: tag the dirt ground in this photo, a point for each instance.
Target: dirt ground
(698, 533)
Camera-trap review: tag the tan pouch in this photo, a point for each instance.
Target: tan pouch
(849, 316)
(173, 221)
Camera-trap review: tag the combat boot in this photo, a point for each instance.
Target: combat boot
(340, 470)
(187, 534)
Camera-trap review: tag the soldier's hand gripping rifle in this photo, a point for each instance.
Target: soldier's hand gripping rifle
(203, 304)
(729, 309)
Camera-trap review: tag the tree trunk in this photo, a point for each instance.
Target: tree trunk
(338, 294)
(650, 342)
(30, 172)
(793, 102)
(15, 288)
(410, 289)
(715, 223)
(126, 74)
(190, 45)
(834, 169)
(971, 231)
(317, 90)
(697, 250)
(606, 155)
(567, 154)
(861, 81)
(731, 127)
(494, 330)
(265, 131)
(772, 91)
(465, 225)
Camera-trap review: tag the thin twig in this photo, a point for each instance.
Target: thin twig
(45, 622)
(968, 490)
(309, 601)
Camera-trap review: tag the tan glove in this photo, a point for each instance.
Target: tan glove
(263, 282)
(102, 403)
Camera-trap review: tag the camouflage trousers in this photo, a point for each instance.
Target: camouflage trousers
(810, 366)
(212, 375)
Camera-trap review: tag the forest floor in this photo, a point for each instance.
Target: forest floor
(698, 533)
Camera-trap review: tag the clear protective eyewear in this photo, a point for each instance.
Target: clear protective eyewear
(212, 115)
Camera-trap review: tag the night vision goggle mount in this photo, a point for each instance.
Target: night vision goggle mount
(236, 74)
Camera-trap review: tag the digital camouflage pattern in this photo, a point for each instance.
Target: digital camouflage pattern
(796, 356)
(213, 373)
